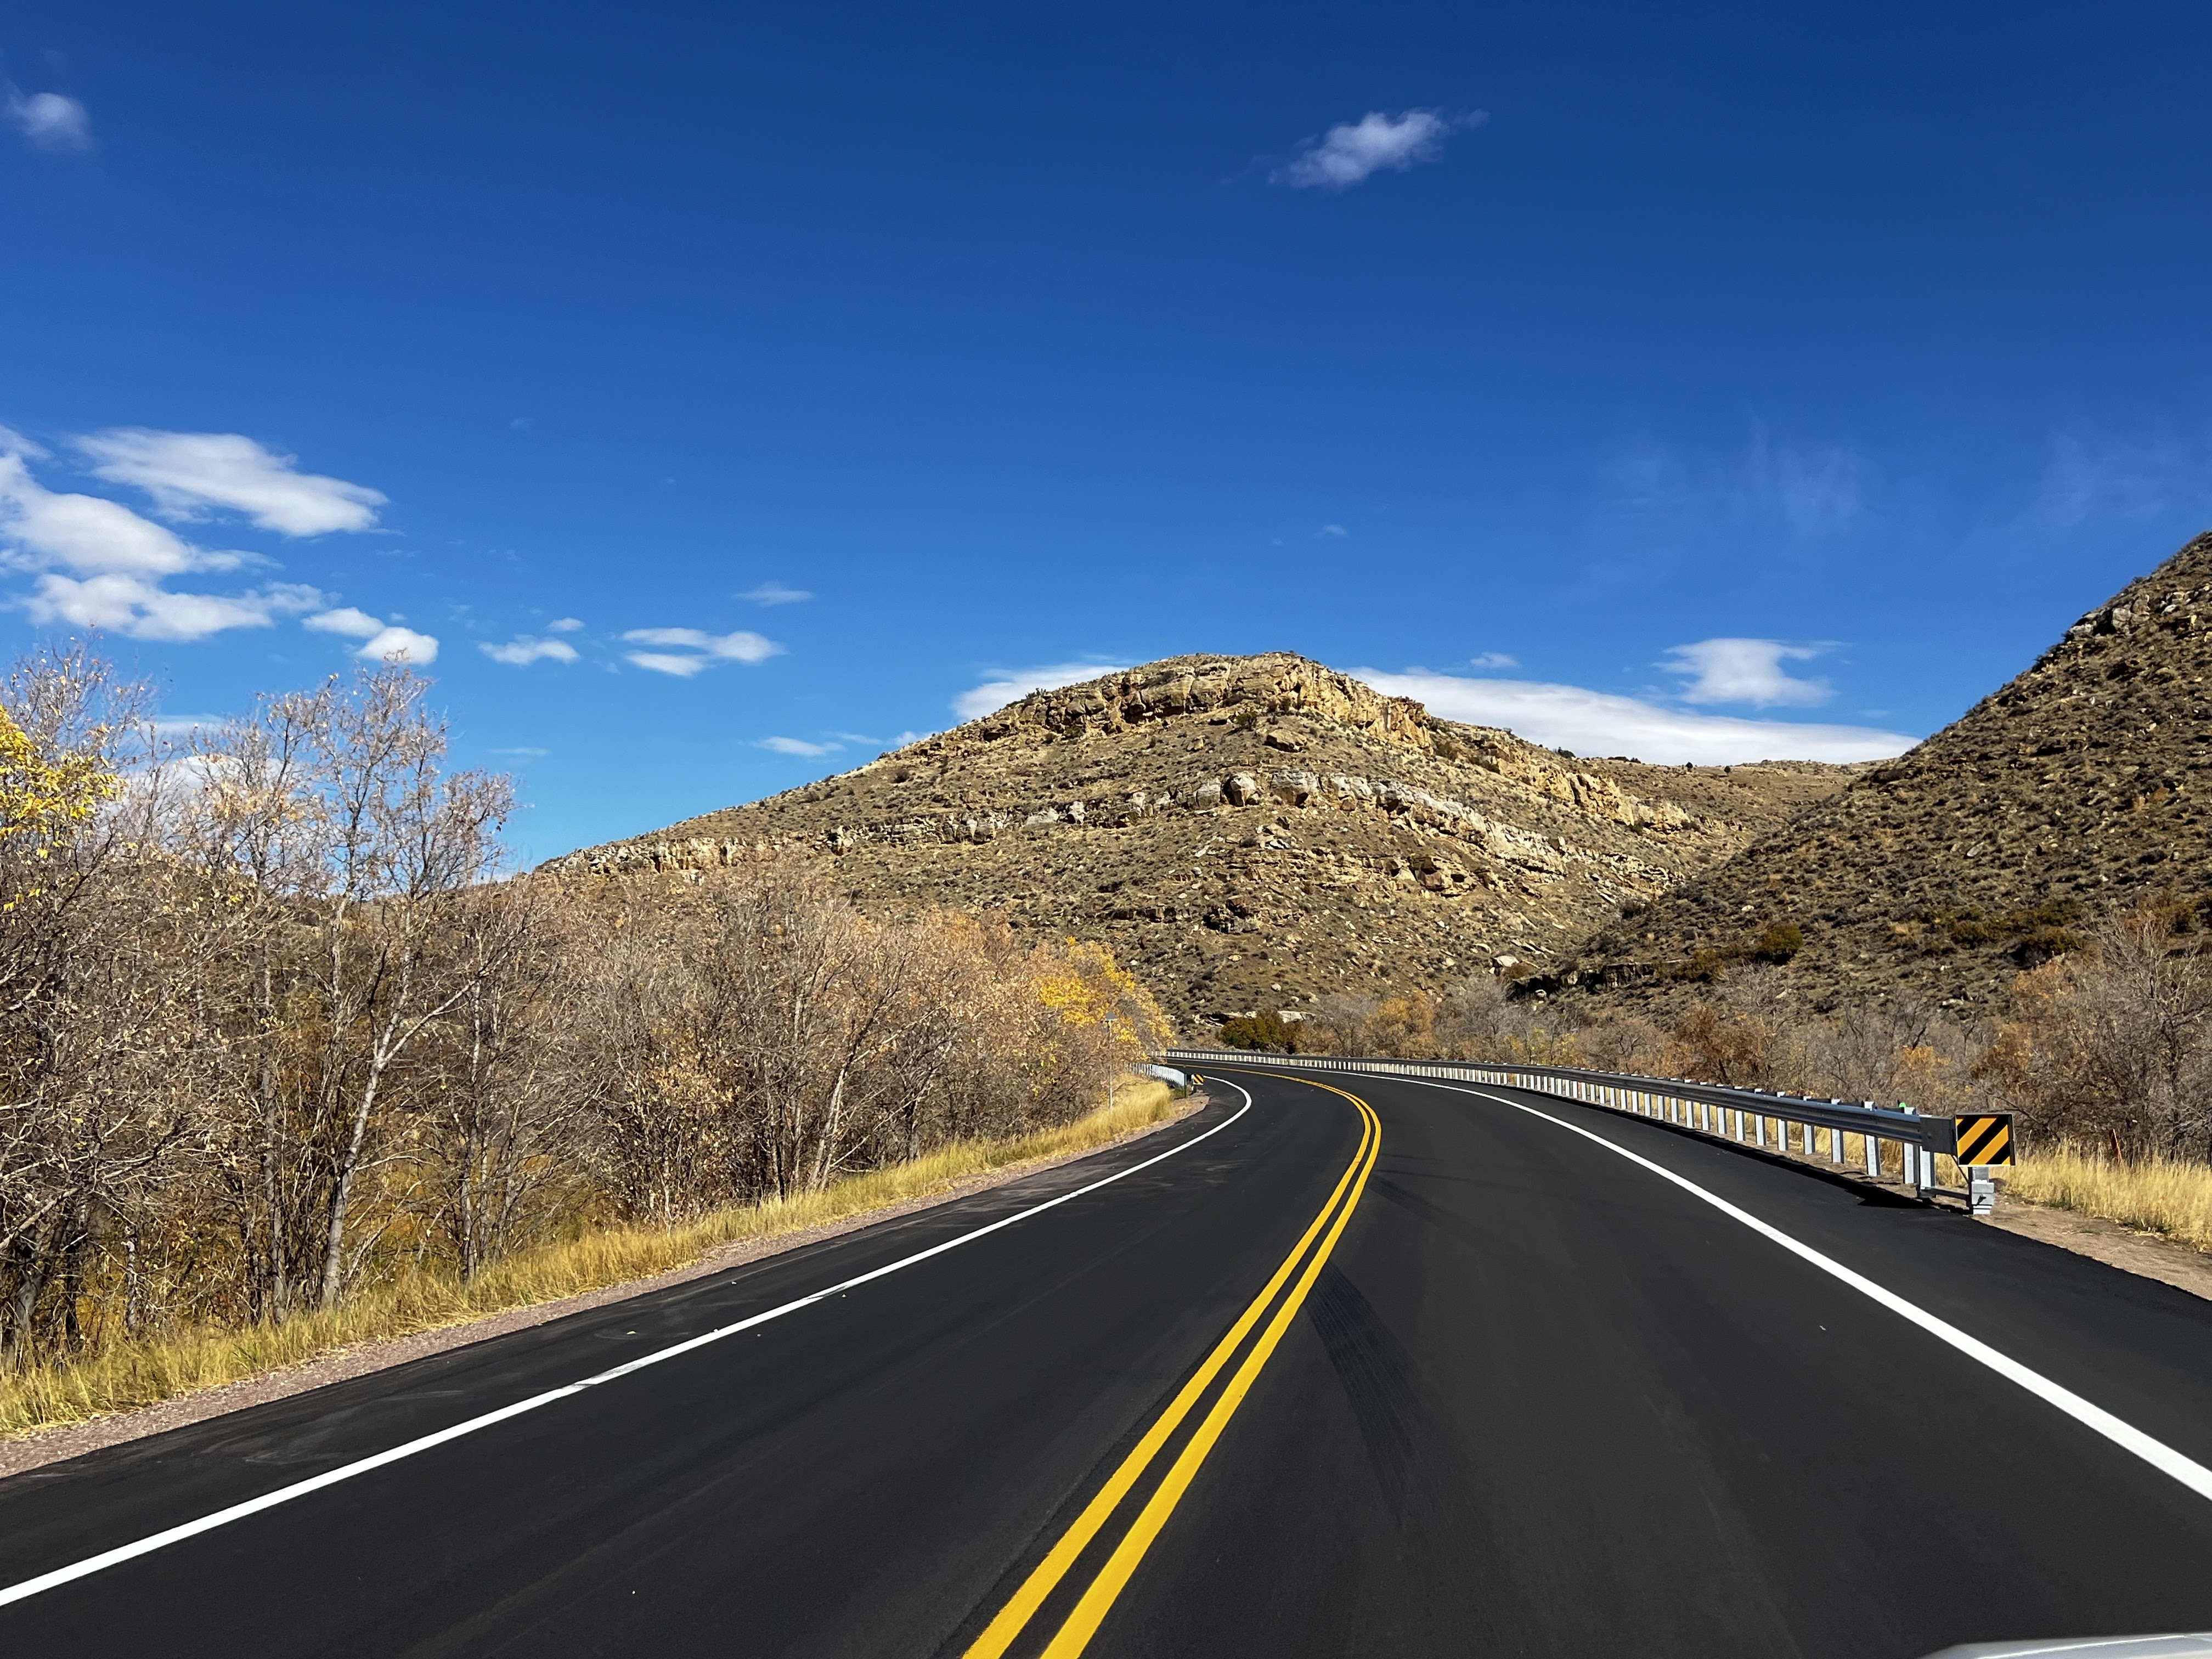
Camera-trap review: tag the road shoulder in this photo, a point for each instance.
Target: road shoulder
(45, 1447)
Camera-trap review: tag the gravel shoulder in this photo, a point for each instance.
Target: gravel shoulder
(2108, 1242)
(43, 1447)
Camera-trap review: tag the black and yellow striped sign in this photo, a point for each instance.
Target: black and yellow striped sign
(1985, 1138)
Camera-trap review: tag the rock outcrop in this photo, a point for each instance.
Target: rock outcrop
(1250, 832)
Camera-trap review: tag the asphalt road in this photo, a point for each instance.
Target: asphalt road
(1526, 1398)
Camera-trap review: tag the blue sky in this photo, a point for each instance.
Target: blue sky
(727, 390)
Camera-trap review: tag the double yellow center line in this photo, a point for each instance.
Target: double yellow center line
(1083, 1622)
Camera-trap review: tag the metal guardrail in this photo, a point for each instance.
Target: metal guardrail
(1706, 1109)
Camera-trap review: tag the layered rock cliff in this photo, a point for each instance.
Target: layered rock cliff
(1250, 832)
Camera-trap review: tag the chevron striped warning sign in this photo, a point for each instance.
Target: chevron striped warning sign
(1985, 1138)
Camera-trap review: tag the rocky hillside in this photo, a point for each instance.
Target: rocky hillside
(2084, 783)
(1250, 832)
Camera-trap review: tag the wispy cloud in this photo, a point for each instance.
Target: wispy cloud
(524, 753)
(566, 625)
(1493, 660)
(776, 593)
(170, 725)
(98, 564)
(381, 641)
(797, 746)
(1748, 671)
(1603, 723)
(49, 120)
(1334, 531)
(2118, 483)
(709, 649)
(523, 650)
(1805, 491)
(1014, 685)
(1353, 151)
(191, 474)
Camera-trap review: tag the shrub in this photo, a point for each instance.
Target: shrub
(2045, 945)
(1262, 1030)
(1780, 942)
(1702, 967)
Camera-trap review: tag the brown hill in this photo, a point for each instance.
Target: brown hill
(2082, 784)
(1250, 832)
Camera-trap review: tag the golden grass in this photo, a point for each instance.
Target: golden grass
(123, 1375)
(2166, 1196)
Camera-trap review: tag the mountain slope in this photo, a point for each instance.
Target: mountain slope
(1248, 832)
(2084, 782)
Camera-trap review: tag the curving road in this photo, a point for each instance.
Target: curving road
(1433, 1373)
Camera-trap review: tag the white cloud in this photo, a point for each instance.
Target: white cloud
(381, 641)
(739, 647)
(1746, 670)
(398, 644)
(522, 650)
(776, 593)
(1493, 660)
(1331, 530)
(190, 473)
(115, 561)
(797, 746)
(1350, 152)
(994, 695)
(89, 534)
(50, 120)
(566, 625)
(524, 753)
(126, 604)
(102, 565)
(661, 662)
(1602, 723)
(354, 624)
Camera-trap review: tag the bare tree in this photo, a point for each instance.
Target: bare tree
(331, 815)
(496, 1108)
(2114, 1042)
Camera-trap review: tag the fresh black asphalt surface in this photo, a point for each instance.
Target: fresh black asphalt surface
(1539, 1402)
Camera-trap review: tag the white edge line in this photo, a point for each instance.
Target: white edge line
(269, 1500)
(2123, 1434)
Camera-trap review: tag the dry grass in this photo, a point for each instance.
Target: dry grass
(2165, 1196)
(126, 1374)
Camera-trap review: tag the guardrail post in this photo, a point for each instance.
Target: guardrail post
(1873, 1150)
(1981, 1190)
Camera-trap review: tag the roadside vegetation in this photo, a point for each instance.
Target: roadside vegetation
(121, 1374)
(2103, 1053)
(288, 1060)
